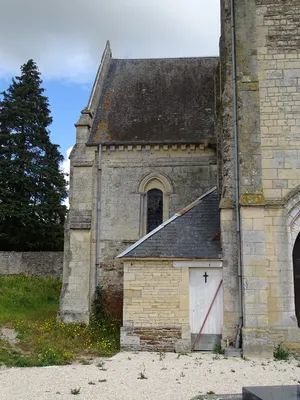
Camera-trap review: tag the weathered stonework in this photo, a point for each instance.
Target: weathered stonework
(268, 71)
(191, 173)
(230, 276)
(107, 200)
(117, 149)
(113, 188)
(78, 284)
(156, 306)
(45, 263)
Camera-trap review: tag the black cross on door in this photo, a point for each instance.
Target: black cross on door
(205, 276)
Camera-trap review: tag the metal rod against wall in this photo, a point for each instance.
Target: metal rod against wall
(236, 172)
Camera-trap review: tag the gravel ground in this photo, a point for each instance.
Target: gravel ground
(167, 377)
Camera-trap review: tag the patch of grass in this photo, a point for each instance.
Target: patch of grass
(75, 391)
(281, 353)
(13, 358)
(218, 349)
(28, 297)
(182, 354)
(29, 305)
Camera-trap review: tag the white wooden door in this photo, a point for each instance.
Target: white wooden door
(203, 286)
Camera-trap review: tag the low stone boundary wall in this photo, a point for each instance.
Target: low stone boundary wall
(44, 263)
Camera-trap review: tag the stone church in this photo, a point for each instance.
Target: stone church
(185, 191)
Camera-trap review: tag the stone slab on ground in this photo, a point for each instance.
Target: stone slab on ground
(232, 352)
(272, 393)
(219, 397)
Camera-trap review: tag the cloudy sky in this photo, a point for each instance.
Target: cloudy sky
(66, 39)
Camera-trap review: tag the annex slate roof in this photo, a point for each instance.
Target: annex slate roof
(156, 100)
(193, 232)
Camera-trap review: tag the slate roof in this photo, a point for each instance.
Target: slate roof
(193, 232)
(156, 101)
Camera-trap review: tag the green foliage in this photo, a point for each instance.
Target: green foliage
(281, 352)
(218, 349)
(32, 187)
(182, 354)
(42, 340)
(75, 391)
(27, 297)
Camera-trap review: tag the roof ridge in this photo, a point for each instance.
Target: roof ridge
(194, 203)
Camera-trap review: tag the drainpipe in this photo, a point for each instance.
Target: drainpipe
(237, 174)
(98, 218)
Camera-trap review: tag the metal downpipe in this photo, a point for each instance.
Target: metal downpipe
(237, 175)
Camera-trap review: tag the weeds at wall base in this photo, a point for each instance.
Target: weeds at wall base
(281, 352)
(42, 340)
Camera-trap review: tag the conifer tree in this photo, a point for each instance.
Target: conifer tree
(32, 186)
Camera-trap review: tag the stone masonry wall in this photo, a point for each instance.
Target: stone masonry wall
(268, 77)
(191, 171)
(278, 31)
(156, 306)
(230, 276)
(32, 263)
(79, 281)
(79, 271)
(225, 143)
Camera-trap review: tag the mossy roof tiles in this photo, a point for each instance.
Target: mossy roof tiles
(156, 100)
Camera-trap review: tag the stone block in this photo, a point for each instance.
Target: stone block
(258, 224)
(183, 346)
(232, 352)
(255, 283)
(257, 343)
(129, 340)
(255, 236)
(71, 316)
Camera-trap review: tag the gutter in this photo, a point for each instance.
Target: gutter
(153, 142)
(237, 176)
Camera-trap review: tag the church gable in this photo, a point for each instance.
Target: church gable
(156, 100)
(191, 233)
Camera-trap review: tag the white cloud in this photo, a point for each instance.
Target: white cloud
(66, 37)
(65, 167)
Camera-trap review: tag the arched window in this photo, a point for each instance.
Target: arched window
(155, 190)
(154, 209)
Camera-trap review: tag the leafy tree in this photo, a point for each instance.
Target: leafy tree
(32, 187)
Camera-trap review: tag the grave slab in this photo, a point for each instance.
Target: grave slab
(271, 393)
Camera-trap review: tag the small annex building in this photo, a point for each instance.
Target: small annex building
(171, 276)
